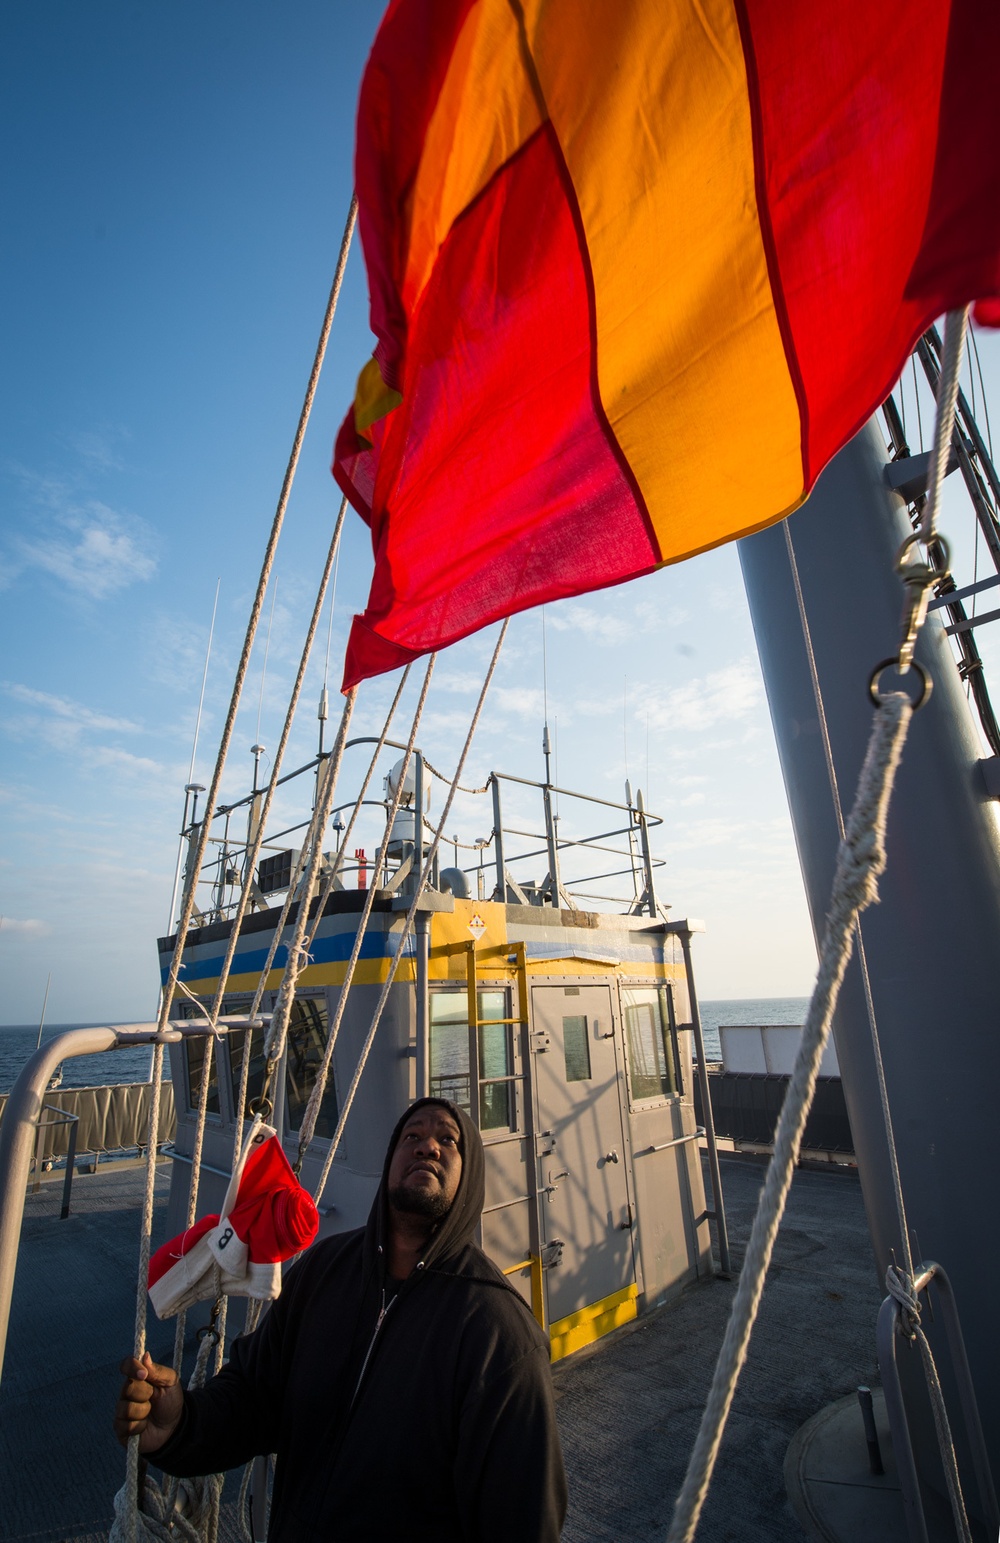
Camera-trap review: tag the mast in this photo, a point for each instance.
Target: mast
(932, 944)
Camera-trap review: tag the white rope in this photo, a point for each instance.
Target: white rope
(407, 924)
(859, 862)
(894, 1173)
(253, 851)
(131, 1486)
(311, 1115)
(185, 1509)
(331, 877)
(955, 327)
(298, 954)
(345, 840)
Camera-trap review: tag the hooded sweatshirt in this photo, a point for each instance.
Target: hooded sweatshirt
(419, 1412)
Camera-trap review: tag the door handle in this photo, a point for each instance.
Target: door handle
(611, 1157)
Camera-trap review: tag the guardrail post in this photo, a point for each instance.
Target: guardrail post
(500, 892)
(70, 1166)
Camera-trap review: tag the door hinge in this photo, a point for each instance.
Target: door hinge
(540, 1040)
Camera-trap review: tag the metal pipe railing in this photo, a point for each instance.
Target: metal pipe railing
(887, 1333)
(19, 1128)
(62, 1118)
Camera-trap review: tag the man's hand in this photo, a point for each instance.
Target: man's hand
(150, 1404)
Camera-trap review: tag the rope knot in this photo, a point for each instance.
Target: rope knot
(899, 1284)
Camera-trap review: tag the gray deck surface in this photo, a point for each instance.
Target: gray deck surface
(628, 1410)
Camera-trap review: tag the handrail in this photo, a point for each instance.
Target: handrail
(886, 1335)
(64, 1118)
(678, 1141)
(18, 1131)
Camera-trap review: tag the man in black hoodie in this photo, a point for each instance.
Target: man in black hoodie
(403, 1384)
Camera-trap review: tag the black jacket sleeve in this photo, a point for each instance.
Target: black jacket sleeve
(236, 1415)
(509, 1474)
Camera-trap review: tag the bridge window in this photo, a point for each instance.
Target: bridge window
(307, 1035)
(236, 1040)
(195, 1047)
(648, 1041)
(576, 1049)
(449, 1069)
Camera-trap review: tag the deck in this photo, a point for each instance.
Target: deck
(628, 1410)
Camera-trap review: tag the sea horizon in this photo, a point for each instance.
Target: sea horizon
(18, 1041)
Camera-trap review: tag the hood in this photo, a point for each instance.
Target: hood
(456, 1230)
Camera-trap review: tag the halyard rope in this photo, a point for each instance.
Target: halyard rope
(311, 1114)
(331, 876)
(408, 923)
(132, 1519)
(861, 858)
(298, 954)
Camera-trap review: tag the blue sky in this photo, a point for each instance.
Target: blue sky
(176, 180)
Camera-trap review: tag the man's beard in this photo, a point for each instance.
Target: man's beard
(420, 1202)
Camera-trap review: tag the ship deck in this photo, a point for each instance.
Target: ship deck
(628, 1409)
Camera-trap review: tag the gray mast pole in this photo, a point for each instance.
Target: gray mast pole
(933, 943)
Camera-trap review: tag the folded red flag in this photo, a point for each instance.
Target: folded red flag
(266, 1217)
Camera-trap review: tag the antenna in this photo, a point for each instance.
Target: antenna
(267, 646)
(546, 743)
(625, 722)
(194, 752)
(41, 1021)
(329, 631)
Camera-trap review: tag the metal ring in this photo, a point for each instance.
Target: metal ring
(926, 682)
(912, 539)
(207, 1332)
(260, 1106)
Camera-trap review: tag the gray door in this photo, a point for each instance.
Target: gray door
(582, 1159)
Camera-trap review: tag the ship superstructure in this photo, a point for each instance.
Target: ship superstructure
(565, 1032)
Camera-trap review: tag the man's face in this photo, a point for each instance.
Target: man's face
(427, 1164)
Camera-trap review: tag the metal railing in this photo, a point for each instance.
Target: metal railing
(628, 840)
(19, 1131)
(889, 1331)
(73, 1121)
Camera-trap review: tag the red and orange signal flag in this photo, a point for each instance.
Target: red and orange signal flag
(638, 269)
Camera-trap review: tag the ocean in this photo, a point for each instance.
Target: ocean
(750, 1010)
(17, 1042)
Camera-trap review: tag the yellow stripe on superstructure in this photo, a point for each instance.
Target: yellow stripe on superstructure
(651, 108)
(592, 1323)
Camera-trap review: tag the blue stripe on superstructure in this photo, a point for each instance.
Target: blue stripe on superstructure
(333, 949)
(629, 951)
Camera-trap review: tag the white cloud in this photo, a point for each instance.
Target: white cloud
(525, 701)
(96, 448)
(724, 695)
(26, 927)
(121, 760)
(457, 681)
(93, 550)
(594, 624)
(72, 712)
